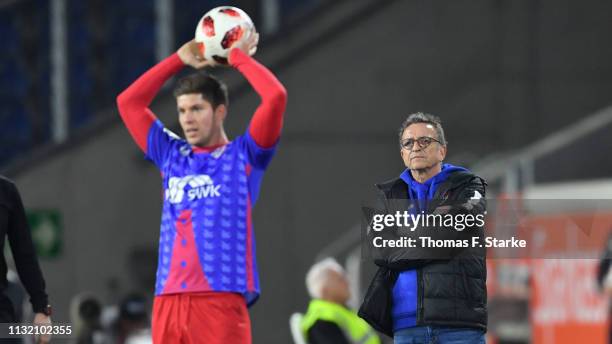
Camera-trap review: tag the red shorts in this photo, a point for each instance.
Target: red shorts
(193, 318)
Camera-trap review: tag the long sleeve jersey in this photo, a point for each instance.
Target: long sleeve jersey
(206, 238)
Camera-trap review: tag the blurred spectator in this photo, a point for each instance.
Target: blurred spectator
(133, 323)
(328, 320)
(85, 310)
(604, 278)
(128, 322)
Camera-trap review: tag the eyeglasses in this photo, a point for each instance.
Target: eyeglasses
(423, 142)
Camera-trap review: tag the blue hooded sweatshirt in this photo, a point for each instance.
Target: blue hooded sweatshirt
(404, 311)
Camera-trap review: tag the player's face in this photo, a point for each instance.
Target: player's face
(418, 157)
(201, 124)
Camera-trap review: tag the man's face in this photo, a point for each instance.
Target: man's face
(336, 287)
(200, 122)
(417, 157)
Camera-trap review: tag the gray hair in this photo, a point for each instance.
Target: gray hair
(316, 276)
(422, 117)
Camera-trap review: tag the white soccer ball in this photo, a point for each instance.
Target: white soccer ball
(219, 29)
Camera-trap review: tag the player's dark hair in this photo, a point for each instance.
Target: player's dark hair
(421, 117)
(211, 89)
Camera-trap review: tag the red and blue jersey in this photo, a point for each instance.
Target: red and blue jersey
(207, 241)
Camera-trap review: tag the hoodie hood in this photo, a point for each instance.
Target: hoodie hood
(421, 193)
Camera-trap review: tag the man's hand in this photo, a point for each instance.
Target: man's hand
(189, 53)
(42, 319)
(248, 45)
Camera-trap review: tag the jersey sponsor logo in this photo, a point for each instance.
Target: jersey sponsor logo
(191, 186)
(185, 150)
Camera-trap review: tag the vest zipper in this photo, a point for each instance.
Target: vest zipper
(420, 297)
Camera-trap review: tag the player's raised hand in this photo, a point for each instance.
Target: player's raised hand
(249, 44)
(190, 54)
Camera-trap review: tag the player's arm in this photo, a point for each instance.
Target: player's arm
(133, 102)
(267, 122)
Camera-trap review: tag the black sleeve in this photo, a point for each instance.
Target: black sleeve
(20, 241)
(326, 332)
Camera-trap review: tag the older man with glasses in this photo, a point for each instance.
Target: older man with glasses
(427, 294)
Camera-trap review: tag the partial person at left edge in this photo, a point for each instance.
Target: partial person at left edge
(13, 224)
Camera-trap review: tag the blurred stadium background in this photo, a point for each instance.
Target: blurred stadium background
(524, 89)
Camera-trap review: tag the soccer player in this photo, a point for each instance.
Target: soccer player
(207, 274)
